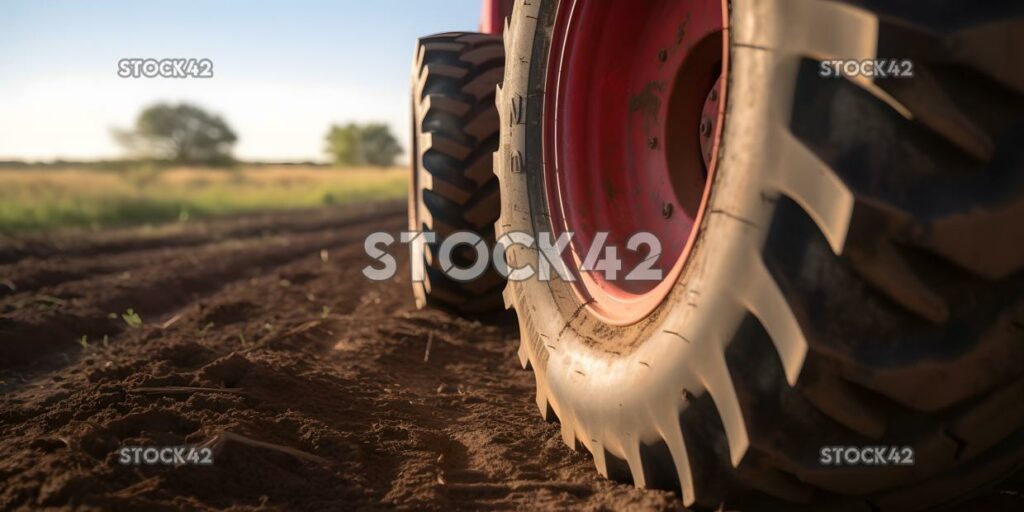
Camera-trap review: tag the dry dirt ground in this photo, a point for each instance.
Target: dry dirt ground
(261, 339)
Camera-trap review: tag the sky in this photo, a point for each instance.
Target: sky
(283, 71)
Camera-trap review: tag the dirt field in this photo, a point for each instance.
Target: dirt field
(260, 338)
(288, 349)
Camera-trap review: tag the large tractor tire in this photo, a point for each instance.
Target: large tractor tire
(843, 256)
(453, 187)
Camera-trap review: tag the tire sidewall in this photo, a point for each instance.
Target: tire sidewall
(615, 387)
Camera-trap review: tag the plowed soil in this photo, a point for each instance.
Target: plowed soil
(261, 337)
(315, 388)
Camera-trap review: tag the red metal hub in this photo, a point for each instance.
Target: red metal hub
(634, 105)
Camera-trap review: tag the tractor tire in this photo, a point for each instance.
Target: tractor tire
(453, 187)
(856, 280)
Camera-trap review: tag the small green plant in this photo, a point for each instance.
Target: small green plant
(49, 301)
(131, 318)
(325, 312)
(83, 341)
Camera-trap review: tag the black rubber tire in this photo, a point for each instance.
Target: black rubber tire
(856, 281)
(453, 187)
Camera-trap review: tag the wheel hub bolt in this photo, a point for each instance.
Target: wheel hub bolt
(666, 210)
(652, 142)
(705, 127)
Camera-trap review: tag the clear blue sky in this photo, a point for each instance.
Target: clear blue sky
(283, 70)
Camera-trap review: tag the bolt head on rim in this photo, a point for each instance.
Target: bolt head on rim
(633, 117)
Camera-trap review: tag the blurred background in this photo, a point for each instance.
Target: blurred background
(308, 106)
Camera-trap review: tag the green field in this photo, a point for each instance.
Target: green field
(34, 199)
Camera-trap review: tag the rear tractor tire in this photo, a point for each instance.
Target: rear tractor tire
(453, 187)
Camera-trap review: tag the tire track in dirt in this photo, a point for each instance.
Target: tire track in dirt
(53, 320)
(40, 276)
(71, 244)
(36, 263)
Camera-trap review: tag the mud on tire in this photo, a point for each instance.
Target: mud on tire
(857, 279)
(453, 188)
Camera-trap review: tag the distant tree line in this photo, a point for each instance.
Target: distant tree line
(189, 135)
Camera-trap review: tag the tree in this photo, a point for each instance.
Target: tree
(343, 145)
(379, 147)
(180, 133)
(369, 144)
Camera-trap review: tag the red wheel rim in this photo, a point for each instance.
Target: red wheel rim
(634, 100)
